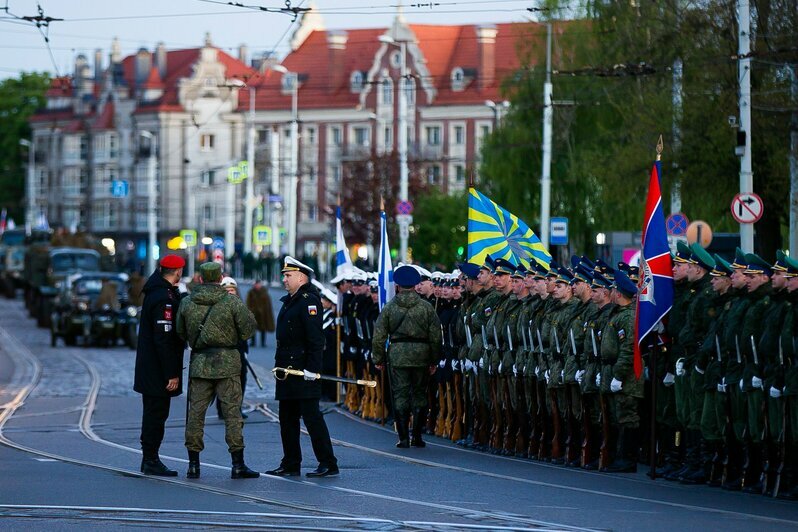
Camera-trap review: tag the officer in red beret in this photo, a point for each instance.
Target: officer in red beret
(159, 359)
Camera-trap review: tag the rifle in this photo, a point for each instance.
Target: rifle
(522, 420)
(496, 429)
(437, 423)
(604, 451)
(252, 371)
(583, 411)
(763, 477)
(509, 411)
(728, 431)
(783, 434)
(469, 339)
(556, 451)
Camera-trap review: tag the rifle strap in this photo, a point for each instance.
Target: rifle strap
(201, 328)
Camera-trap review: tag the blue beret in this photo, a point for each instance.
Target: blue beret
(625, 285)
(406, 276)
(469, 269)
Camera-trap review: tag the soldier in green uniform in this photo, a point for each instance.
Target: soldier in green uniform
(413, 331)
(618, 379)
(595, 405)
(508, 368)
(788, 488)
(463, 339)
(758, 275)
(532, 387)
(213, 322)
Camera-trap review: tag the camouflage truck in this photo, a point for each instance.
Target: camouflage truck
(12, 260)
(46, 267)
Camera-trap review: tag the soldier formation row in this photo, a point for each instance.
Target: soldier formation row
(539, 364)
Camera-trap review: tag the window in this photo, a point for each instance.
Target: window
(312, 173)
(336, 172)
(459, 135)
(207, 212)
(105, 215)
(71, 182)
(433, 135)
(458, 79)
(207, 178)
(434, 174)
(485, 131)
(410, 91)
(396, 59)
(313, 212)
(362, 136)
(387, 136)
(264, 136)
(113, 146)
(207, 142)
(336, 136)
(311, 135)
(387, 91)
(459, 173)
(356, 81)
(84, 148)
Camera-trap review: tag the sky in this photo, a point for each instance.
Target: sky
(91, 24)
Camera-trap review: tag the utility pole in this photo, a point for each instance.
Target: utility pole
(793, 162)
(294, 169)
(152, 221)
(274, 189)
(250, 190)
(744, 78)
(548, 116)
(676, 188)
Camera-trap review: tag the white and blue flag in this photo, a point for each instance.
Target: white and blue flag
(385, 270)
(343, 263)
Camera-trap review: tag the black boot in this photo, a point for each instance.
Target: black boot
(626, 457)
(240, 469)
(402, 430)
(152, 465)
(419, 419)
(193, 465)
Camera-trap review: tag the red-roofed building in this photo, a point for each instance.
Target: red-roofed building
(196, 104)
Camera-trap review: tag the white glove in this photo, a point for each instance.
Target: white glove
(455, 365)
(660, 328)
(442, 363)
(722, 387)
(756, 382)
(500, 367)
(598, 379)
(741, 384)
(309, 376)
(474, 368)
(580, 376)
(680, 368)
(468, 364)
(482, 363)
(515, 370)
(366, 354)
(775, 393)
(645, 373)
(562, 375)
(699, 370)
(546, 376)
(537, 371)
(616, 385)
(669, 379)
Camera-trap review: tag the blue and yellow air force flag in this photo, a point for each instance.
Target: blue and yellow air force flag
(495, 231)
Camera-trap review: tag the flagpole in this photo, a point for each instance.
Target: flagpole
(653, 375)
(338, 317)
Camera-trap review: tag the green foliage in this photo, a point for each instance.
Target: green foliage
(616, 66)
(439, 229)
(19, 98)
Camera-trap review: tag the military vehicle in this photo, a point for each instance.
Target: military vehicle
(12, 260)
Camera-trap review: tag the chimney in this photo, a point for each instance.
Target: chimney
(336, 44)
(143, 66)
(243, 53)
(98, 66)
(116, 51)
(160, 59)
(486, 45)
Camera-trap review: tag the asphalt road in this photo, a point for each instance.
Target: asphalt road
(69, 428)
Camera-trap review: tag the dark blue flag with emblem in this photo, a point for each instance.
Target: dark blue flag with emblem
(655, 297)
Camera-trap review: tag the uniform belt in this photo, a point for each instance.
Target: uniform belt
(407, 340)
(211, 350)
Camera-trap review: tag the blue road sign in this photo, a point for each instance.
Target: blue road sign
(119, 188)
(558, 236)
(676, 224)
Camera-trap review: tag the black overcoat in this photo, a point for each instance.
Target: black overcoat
(300, 343)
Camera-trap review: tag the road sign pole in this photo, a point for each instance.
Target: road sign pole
(744, 76)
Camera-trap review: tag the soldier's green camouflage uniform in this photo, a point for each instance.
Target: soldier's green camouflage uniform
(617, 358)
(595, 324)
(575, 361)
(215, 367)
(415, 344)
(559, 323)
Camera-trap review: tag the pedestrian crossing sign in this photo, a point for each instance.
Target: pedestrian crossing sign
(262, 235)
(189, 236)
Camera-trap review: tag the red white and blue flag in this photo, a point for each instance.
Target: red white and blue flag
(655, 297)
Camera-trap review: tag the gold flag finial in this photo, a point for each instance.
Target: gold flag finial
(660, 147)
(382, 203)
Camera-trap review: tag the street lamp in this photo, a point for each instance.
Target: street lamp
(404, 222)
(31, 173)
(293, 169)
(250, 186)
(152, 228)
(497, 109)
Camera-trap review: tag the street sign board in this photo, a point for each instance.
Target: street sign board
(747, 208)
(676, 224)
(404, 208)
(189, 236)
(262, 235)
(218, 243)
(699, 231)
(558, 232)
(119, 188)
(218, 256)
(235, 175)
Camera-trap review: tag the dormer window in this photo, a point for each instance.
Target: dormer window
(458, 79)
(356, 81)
(288, 82)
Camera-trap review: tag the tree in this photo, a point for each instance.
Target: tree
(19, 99)
(439, 229)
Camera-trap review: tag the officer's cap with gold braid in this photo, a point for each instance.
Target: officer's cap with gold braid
(633, 272)
(722, 268)
(683, 253)
(599, 281)
(503, 267)
(564, 276)
(604, 269)
(781, 264)
(540, 272)
(624, 285)
(702, 257)
(739, 260)
(583, 273)
(757, 264)
(553, 270)
(519, 273)
(489, 264)
(792, 266)
(292, 265)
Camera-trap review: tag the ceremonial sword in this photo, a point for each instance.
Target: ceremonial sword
(299, 373)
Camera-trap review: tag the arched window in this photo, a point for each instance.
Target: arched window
(458, 79)
(387, 91)
(356, 81)
(410, 90)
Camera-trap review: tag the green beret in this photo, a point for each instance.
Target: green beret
(211, 272)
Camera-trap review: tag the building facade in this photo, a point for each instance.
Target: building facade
(198, 104)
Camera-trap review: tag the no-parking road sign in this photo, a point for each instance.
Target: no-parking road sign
(747, 208)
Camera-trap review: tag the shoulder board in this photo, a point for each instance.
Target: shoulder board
(305, 295)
